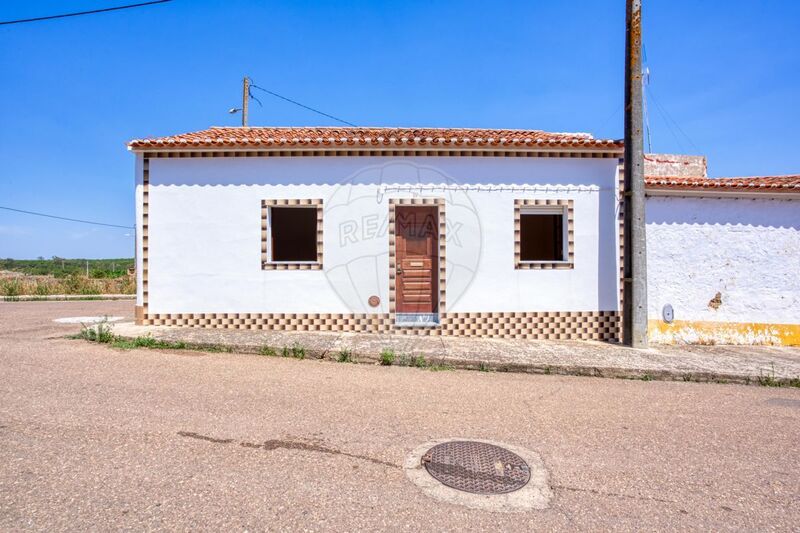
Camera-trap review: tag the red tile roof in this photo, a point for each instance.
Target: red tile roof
(225, 137)
(787, 184)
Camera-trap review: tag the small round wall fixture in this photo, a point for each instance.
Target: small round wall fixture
(668, 314)
(480, 474)
(374, 301)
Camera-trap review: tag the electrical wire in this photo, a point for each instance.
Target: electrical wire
(66, 218)
(669, 117)
(663, 113)
(93, 11)
(302, 105)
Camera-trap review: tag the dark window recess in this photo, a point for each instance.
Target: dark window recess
(541, 237)
(294, 233)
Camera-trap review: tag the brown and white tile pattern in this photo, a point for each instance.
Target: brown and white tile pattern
(519, 205)
(541, 325)
(300, 203)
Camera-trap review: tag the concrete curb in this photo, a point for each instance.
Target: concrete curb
(66, 297)
(329, 353)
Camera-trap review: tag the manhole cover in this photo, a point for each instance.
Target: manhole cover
(477, 467)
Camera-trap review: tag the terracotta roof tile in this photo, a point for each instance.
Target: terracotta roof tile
(222, 137)
(789, 184)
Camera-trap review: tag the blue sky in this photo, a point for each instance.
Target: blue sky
(724, 82)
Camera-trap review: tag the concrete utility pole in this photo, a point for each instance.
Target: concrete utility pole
(245, 99)
(634, 308)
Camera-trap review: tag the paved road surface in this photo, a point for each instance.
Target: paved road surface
(95, 438)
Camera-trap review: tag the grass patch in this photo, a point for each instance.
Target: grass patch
(646, 377)
(345, 356)
(296, 351)
(150, 342)
(768, 380)
(439, 367)
(269, 351)
(387, 357)
(418, 361)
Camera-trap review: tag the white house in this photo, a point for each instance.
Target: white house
(428, 231)
(502, 233)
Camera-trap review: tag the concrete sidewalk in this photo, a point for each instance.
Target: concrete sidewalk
(765, 365)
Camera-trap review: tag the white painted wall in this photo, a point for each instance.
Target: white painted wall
(746, 249)
(138, 176)
(205, 231)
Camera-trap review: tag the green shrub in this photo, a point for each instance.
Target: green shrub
(99, 332)
(387, 357)
(295, 350)
(418, 361)
(345, 356)
(267, 350)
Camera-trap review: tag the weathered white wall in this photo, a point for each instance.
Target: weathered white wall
(205, 231)
(746, 249)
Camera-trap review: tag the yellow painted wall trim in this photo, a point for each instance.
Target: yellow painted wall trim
(706, 332)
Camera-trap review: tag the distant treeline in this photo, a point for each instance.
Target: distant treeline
(58, 267)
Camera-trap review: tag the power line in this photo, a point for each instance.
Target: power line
(20, 21)
(65, 218)
(653, 98)
(302, 105)
(669, 117)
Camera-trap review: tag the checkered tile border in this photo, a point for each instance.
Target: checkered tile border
(265, 205)
(549, 325)
(621, 222)
(145, 228)
(570, 263)
(183, 153)
(440, 204)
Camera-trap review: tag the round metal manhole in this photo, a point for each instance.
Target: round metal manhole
(477, 467)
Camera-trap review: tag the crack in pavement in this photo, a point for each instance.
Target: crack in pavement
(203, 437)
(274, 444)
(613, 494)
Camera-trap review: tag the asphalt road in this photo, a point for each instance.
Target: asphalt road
(96, 438)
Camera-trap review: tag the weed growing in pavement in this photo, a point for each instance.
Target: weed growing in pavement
(149, 342)
(794, 382)
(345, 356)
(295, 350)
(483, 367)
(439, 367)
(102, 332)
(646, 377)
(418, 361)
(98, 332)
(548, 370)
(387, 357)
(268, 351)
(768, 380)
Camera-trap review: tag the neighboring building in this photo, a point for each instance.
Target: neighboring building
(723, 254)
(500, 233)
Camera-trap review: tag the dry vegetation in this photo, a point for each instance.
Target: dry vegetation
(16, 284)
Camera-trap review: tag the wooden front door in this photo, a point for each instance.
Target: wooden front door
(417, 255)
